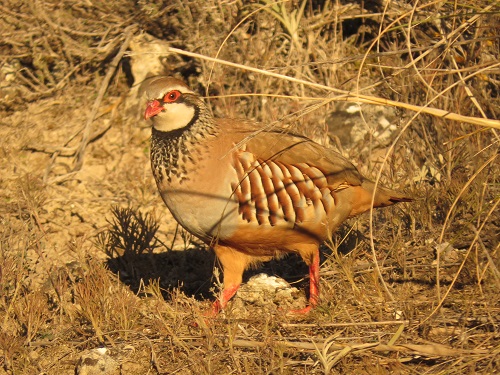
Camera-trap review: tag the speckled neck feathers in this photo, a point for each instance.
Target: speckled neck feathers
(173, 151)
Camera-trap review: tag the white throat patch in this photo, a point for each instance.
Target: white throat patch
(175, 116)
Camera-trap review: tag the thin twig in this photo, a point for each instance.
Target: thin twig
(356, 324)
(129, 31)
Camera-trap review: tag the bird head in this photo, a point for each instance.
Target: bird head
(171, 105)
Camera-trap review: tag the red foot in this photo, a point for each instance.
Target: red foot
(313, 287)
(221, 303)
(303, 311)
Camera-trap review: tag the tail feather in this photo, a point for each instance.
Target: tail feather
(384, 196)
(395, 200)
(360, 197)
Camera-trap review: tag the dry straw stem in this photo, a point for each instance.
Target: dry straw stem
(350, 96)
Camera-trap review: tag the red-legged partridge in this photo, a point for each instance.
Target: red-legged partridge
(250, 194)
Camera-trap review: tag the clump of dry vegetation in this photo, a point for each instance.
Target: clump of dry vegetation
(90, 257)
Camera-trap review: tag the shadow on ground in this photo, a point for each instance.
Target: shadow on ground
(192, 270)
(139, 258)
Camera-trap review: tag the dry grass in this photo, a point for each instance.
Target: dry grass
(89, 256)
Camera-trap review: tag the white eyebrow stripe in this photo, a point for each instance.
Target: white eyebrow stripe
(182, 89)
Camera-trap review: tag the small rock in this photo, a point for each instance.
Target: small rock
(97, 362)
(351, 122)
(447, 253)
(262, 290)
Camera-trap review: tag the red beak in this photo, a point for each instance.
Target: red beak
(153, 108)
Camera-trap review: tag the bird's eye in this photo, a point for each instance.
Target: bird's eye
(171, 96)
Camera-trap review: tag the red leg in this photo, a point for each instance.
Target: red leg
(313, 285)
(233, 264)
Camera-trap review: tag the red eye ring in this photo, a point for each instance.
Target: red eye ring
(171, 96)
